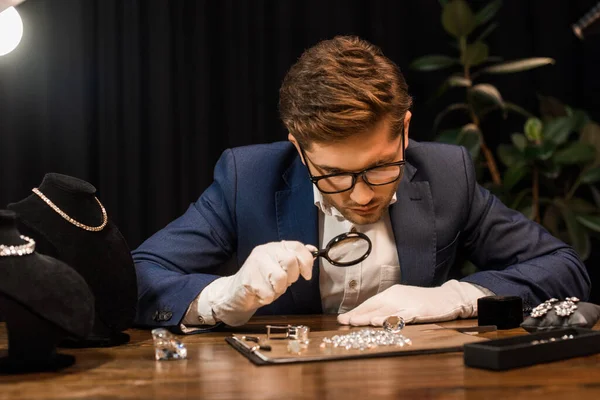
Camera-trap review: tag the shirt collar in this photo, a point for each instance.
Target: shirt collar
(330, 210)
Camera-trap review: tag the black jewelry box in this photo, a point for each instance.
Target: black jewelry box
(530, 349)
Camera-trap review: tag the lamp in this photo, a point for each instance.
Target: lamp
(11, 26)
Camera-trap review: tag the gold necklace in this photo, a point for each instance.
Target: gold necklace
(71, 220)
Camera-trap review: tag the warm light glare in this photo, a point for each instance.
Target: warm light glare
(11, 30)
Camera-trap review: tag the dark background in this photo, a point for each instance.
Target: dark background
(141, 97)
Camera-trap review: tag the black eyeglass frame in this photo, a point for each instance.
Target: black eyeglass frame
(314, 179)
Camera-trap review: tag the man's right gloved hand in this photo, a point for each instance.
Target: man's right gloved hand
(267, 273)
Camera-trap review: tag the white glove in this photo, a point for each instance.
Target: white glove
(450, 301)
(267, 273)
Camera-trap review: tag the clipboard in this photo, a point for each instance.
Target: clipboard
(426, 339)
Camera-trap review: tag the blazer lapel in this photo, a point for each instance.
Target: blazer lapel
(297, 219)
(413, 223)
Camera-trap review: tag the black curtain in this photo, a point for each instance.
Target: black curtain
(140, 97)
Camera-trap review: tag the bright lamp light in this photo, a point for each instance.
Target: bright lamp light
(11, 30)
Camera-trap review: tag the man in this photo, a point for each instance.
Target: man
(348, 165)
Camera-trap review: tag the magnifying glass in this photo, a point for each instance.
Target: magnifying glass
(346, 249)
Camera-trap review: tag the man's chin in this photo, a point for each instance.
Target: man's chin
(363, 218)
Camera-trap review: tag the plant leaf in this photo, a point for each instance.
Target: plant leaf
(533, 129)
(539, 152)
(452, 81)
(457, 18)
(513, 175)
(484, 97)
(475, 54)
(433, 62)
(487, 12)
(458, 80)
(517, 66)
(470, 138)
(510, 156)
(575, 153)
(451, 108)
(517, 109)
(590, 134)
(550, 170)
(578, 236)
(558, 129)
(591, 176)
(580, 119)
(519, 140)
(590, 221)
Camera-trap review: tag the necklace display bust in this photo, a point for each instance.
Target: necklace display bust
(42, 300)
(69, 223)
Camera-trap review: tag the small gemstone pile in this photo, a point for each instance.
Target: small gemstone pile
(366, 339)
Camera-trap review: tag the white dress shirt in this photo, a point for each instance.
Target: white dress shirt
(343, 288)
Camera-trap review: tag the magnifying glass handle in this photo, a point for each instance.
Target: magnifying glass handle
(314, 250)
(318, 253)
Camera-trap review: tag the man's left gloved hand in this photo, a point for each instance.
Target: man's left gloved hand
(450, 301)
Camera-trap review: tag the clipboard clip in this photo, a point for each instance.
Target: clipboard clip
(257, 343)
(260, 345)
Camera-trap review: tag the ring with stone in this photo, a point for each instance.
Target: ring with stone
(294, 332)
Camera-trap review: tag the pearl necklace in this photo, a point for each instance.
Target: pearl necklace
(71, 220)
(20, 250)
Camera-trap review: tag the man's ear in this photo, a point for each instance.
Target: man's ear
(292, 139)
(407, 118)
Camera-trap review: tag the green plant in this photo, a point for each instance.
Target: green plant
(473, 63)
(553, 166)
(552, 170)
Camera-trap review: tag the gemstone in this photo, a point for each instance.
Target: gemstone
(166, 347)
(393, 324)
(572, 299)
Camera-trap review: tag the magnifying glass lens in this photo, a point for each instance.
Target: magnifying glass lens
(348, 250)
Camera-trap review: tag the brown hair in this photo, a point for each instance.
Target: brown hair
(341, 87)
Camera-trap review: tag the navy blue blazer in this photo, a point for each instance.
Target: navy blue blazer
(262, 193)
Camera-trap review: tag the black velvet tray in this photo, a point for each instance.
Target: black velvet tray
(535, 348)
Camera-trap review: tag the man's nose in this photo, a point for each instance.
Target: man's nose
(362, 193)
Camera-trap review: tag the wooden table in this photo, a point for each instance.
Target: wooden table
(215, 370)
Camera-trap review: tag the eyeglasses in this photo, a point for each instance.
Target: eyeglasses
(375, 176)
